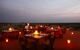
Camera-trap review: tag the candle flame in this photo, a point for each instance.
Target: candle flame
(19, 33)
(36, 32)
(68, 41)
(6, 40)
(10, 29)
(72, 33)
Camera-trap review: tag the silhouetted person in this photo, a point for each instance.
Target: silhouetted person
(51, 39)
(22, 43)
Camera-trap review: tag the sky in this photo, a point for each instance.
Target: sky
(40, 11)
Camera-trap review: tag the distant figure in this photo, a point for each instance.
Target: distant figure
(22, 43)
(34, 45)
(64, 31)
(60, 32)
(51, 39)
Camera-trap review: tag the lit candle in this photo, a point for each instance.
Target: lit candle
(72, 33)
(6, 40)
(36, 34)
(68, 41)
(10, 29)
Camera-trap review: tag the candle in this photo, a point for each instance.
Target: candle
(72, 33)
(36, 34)
(68, 41)
(10, 29)
(6, 40)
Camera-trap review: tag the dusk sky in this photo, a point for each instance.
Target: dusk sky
(42, 11)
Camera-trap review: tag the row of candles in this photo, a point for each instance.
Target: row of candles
(36, 34)
(69, 41)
